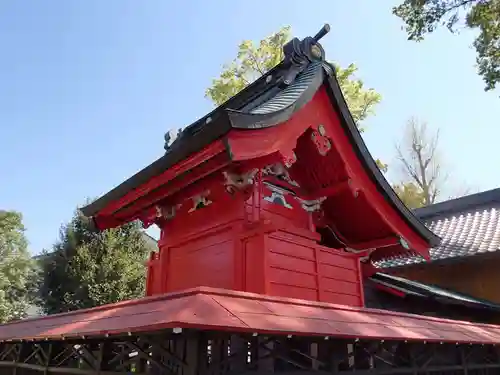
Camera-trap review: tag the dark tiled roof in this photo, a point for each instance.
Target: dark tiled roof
(409, 287)
(467, 226)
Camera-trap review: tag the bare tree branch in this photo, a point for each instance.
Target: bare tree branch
(419, 160)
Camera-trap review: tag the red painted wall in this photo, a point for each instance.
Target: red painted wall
(275, 253)
(300, 268)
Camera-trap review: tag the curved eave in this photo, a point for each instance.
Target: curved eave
(203, 138)
(281, 103)
(269, 139)
(211, 127)
(370, 166)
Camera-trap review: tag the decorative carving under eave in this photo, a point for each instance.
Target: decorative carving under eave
(364, 259)
(279, 171)
(311, 205)
(320, 140)
(237, 182)
(167, 212)
(200, 201)
(404, 243)
(278, 196)
(289, 158)
(363, 252)
(354, 187)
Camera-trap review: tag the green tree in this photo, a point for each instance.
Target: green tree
(410, 194)
(17, 271)
(88, 268)
(422, 17)
(252, 61)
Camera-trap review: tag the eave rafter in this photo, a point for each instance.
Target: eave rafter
(183, 182)
(139, 203)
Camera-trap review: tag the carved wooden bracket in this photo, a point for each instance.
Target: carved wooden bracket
(200, 201)
(288, 158)
(311, 205)
(320, 140)
(279, 171)
(167, 212)
(234, 182)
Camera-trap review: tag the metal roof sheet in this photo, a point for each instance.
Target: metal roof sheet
(206, 308)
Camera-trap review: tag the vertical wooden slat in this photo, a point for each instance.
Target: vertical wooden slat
(239, 353)
(47, 362)
(18, 359)
(463, 360)
(192, 355)
(180, 352)
(319, 292)
(314, 352)
(266, 364)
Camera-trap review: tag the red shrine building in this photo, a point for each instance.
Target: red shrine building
(272, 215)
(267, 194)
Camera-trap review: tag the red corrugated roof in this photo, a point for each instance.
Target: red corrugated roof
(207, 308)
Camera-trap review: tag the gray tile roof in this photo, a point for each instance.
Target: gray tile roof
(467, 226)
(419, 289)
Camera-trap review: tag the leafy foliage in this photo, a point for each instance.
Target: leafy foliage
(361, 101)
(411, 195)
(17, 271)
(88, 268)
(424, 16)
(253, 61)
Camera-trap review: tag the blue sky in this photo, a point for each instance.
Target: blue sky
(88, 88)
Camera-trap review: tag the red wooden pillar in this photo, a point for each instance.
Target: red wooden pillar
(255, 263)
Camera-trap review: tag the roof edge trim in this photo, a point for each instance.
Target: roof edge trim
(346, 120)
(485, 198)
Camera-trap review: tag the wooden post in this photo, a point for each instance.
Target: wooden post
(239, 353)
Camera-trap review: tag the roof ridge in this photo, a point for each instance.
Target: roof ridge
(489, 198)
